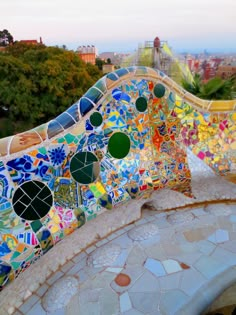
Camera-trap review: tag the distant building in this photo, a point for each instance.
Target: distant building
(108, 55)
(87, 54)
(31, 41)
(226, 71)
(196, 66)
(108, 68)
(210, 67)
(115, 58)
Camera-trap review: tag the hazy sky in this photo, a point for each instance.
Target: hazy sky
(191, 25)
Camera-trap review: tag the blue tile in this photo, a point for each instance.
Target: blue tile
(232, 218)
(155, 267)
(54, 128)
(94, 95)
(65, 120)
(125, 303)
(85, 106)
(74, 111)
(122, 72)
(112, 76)
(101, 85)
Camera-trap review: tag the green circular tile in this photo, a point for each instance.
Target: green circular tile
(159, 90)
(32, 200)
(96, 119)
(84, 167)
(141, 104)
(119, 145)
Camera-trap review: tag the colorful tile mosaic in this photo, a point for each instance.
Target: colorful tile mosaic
(126, 137)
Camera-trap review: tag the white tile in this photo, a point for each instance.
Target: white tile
(114, 270)
(171, 266)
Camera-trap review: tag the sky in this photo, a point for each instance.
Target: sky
(112, 25)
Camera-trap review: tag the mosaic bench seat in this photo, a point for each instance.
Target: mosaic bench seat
(125, 138)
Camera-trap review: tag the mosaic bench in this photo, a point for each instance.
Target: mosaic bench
(125, 138)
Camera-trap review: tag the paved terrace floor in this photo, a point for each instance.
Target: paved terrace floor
(167, 263)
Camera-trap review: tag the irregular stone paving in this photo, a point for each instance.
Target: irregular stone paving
(172, 259)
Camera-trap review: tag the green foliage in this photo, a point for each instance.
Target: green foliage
(5, 38)
(37, 83)
(217, 88)
(214, 89)
(194, 86)
(99, 63)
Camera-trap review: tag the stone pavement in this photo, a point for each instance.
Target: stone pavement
(166, 263)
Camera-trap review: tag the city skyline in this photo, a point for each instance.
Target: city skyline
(121, 26)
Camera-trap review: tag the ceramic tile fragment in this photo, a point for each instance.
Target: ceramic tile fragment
(171, 266)
(155, 266)
(125, 303)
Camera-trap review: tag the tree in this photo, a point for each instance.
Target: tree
(5, 38)
(19, 49)
(99, 63)
(38, 83)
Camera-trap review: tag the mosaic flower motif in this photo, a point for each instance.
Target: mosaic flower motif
(189, 136)
(214, 146)
(57, 155)
(205, 132)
